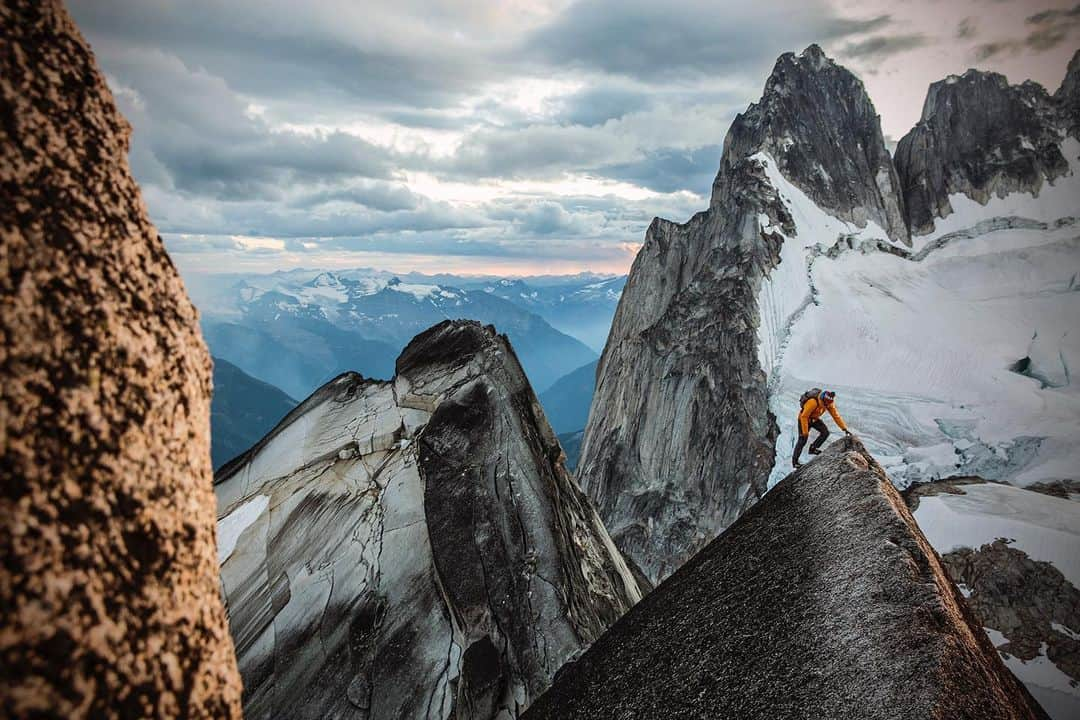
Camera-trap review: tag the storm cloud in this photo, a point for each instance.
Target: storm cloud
(521, 128)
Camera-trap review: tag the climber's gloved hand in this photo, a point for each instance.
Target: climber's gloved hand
(848, 432)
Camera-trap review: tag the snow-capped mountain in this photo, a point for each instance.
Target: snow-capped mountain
(413, 548)
(1011, 145)
(953, 356)
(821, 263)
(297, 329)
(580, 306)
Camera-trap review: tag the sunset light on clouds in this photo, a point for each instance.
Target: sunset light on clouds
(508, 138)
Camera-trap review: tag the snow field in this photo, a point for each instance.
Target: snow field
(936, 339)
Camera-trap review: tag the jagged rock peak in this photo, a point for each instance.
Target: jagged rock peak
(980, 136)
(109, 602)
(978, 84)
(1068, 96)
(819, 125)
(442, 347)
(413, 548)
(823, 600)
(666, 475)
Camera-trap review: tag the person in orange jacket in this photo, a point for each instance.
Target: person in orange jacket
(814, 404)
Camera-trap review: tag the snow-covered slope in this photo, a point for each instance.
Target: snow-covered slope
(1016, 556)
(925, 347)
(413, 548)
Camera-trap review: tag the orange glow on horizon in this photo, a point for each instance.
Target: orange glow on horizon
(619, 261)
(504, 267)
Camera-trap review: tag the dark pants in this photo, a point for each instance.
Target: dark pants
(823, 434)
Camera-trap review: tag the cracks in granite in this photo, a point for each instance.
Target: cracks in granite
(378, 452)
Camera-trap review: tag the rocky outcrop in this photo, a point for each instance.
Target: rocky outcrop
(981, 137)
(413, 548)
(823, 600)
(1029, 602)
(1068, 96)
(1012, 551)
(109, 603)
(817, 122)
(680, 440)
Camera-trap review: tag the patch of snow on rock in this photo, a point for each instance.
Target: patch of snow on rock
(420, 292)
(232, 526)
(1056, 692)
(1059, 199)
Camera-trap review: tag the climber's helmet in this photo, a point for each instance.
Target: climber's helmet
(828, 396)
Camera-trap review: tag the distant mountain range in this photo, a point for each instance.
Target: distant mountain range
(242, 411)
(566, 402)
(297, 329)
(581, 306)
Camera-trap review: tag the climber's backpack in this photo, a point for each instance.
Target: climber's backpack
(806, 396)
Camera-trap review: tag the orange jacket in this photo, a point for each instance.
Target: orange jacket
(815, 408)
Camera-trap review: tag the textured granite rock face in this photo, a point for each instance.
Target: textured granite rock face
(1028, 601)
(982, 137)
(680, 439)
(823, 600)
(817, 122)
(109, 602)
(1068, 96)
(413, 548)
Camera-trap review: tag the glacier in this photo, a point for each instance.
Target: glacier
(921, 344)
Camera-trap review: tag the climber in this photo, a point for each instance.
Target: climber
(812, 405)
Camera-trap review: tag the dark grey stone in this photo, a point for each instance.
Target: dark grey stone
(982, 137)
(1068, 96)
(819, 125)
(824, 600)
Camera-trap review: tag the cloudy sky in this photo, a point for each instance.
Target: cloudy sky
(510, 136)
